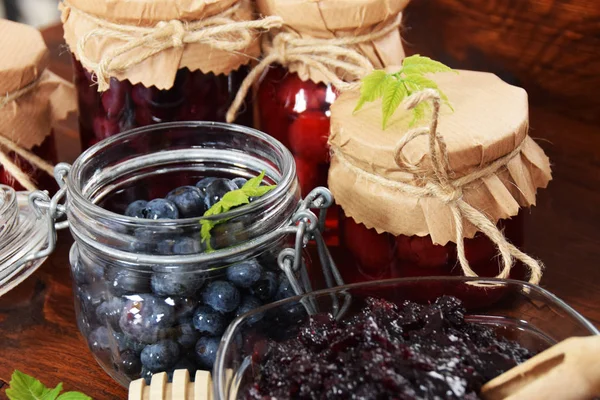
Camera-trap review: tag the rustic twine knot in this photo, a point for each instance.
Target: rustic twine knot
(340, 64)
(7, 145)
(443, 186)
(221, 32)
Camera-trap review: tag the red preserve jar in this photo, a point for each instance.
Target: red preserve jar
(141, 63)
(322, 42)
(33, 101)
(407, 211)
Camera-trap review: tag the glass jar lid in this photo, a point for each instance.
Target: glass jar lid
(22, 236)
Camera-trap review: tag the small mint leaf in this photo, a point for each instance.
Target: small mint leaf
(25, 387)
(372, 87)
(52, 394)
(254, 182)
(418, 64)
(73, 396)
(235, 198)
(259, 191)
(392, 97)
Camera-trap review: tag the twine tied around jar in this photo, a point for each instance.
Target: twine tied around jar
(325, 55)
(7, 145)
(449, 190)
(220, 31)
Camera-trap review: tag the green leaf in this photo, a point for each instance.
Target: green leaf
(392, 97)
(235, 198)
(417, 64)
(372, 87)
(25, 387)
(73, 396)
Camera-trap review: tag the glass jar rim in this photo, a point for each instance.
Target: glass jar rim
(287, 175)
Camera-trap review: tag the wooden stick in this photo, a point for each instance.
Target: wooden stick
(568, 371)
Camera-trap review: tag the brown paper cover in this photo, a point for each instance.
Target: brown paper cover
(160, 69)
(339, 18)
(490, 120)
(28, 119)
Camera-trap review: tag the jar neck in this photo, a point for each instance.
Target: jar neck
(196, 149)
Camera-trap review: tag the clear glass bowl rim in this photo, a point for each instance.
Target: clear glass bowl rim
(218, 372)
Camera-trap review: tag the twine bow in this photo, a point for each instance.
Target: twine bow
(442, 186)
(328, 56)
(221, 32)
(7, 146)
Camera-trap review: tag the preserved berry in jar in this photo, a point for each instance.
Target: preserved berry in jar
(195, 96)
(441, 197)
(190, 73)
(33, 101)
(368, 255)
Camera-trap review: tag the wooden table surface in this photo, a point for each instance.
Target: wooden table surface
(546, 46)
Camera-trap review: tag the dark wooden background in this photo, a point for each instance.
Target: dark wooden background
(550, 47)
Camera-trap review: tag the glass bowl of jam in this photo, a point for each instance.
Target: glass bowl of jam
(409, 338)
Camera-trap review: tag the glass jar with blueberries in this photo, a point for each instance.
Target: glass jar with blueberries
(178, 229)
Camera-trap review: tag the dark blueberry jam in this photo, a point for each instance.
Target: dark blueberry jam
(384, 351)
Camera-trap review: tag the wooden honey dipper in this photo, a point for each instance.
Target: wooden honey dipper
(569, 370)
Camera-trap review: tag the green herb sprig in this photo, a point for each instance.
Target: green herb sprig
(395, 87)
(232, 199)
(25, 387)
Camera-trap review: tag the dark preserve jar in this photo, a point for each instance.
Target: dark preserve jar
(294, 99)
(122, 86)
(150, 296)
(33, 100)
(407, 213)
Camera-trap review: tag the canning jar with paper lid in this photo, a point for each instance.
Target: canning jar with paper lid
(154, 294)
(322, 47)
(442, 196)
(142, 63)
(33, 100)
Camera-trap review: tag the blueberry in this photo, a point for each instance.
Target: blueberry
(244, 274)
(86, 272)
(160, 356)
(146, 374)
(126, 281)
(206, 351)
(184, 363)
(184, 306)
(125, 343)
(129, 363)
(91, 296)
(99, 339)
(109, 312)
(266, 287)
(189, 201)
(285, 289)
(239, 182)
(207, 320)
(146, 318)
(161, 209)
(216, 190)
(221, 296)
(188, 336)
(187, 246)
(203, 183)
(176, 283)
(165, 247)
(137, 209)
(248, 304)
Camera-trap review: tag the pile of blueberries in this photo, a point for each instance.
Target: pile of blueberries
(185, 201)
(147, 321)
